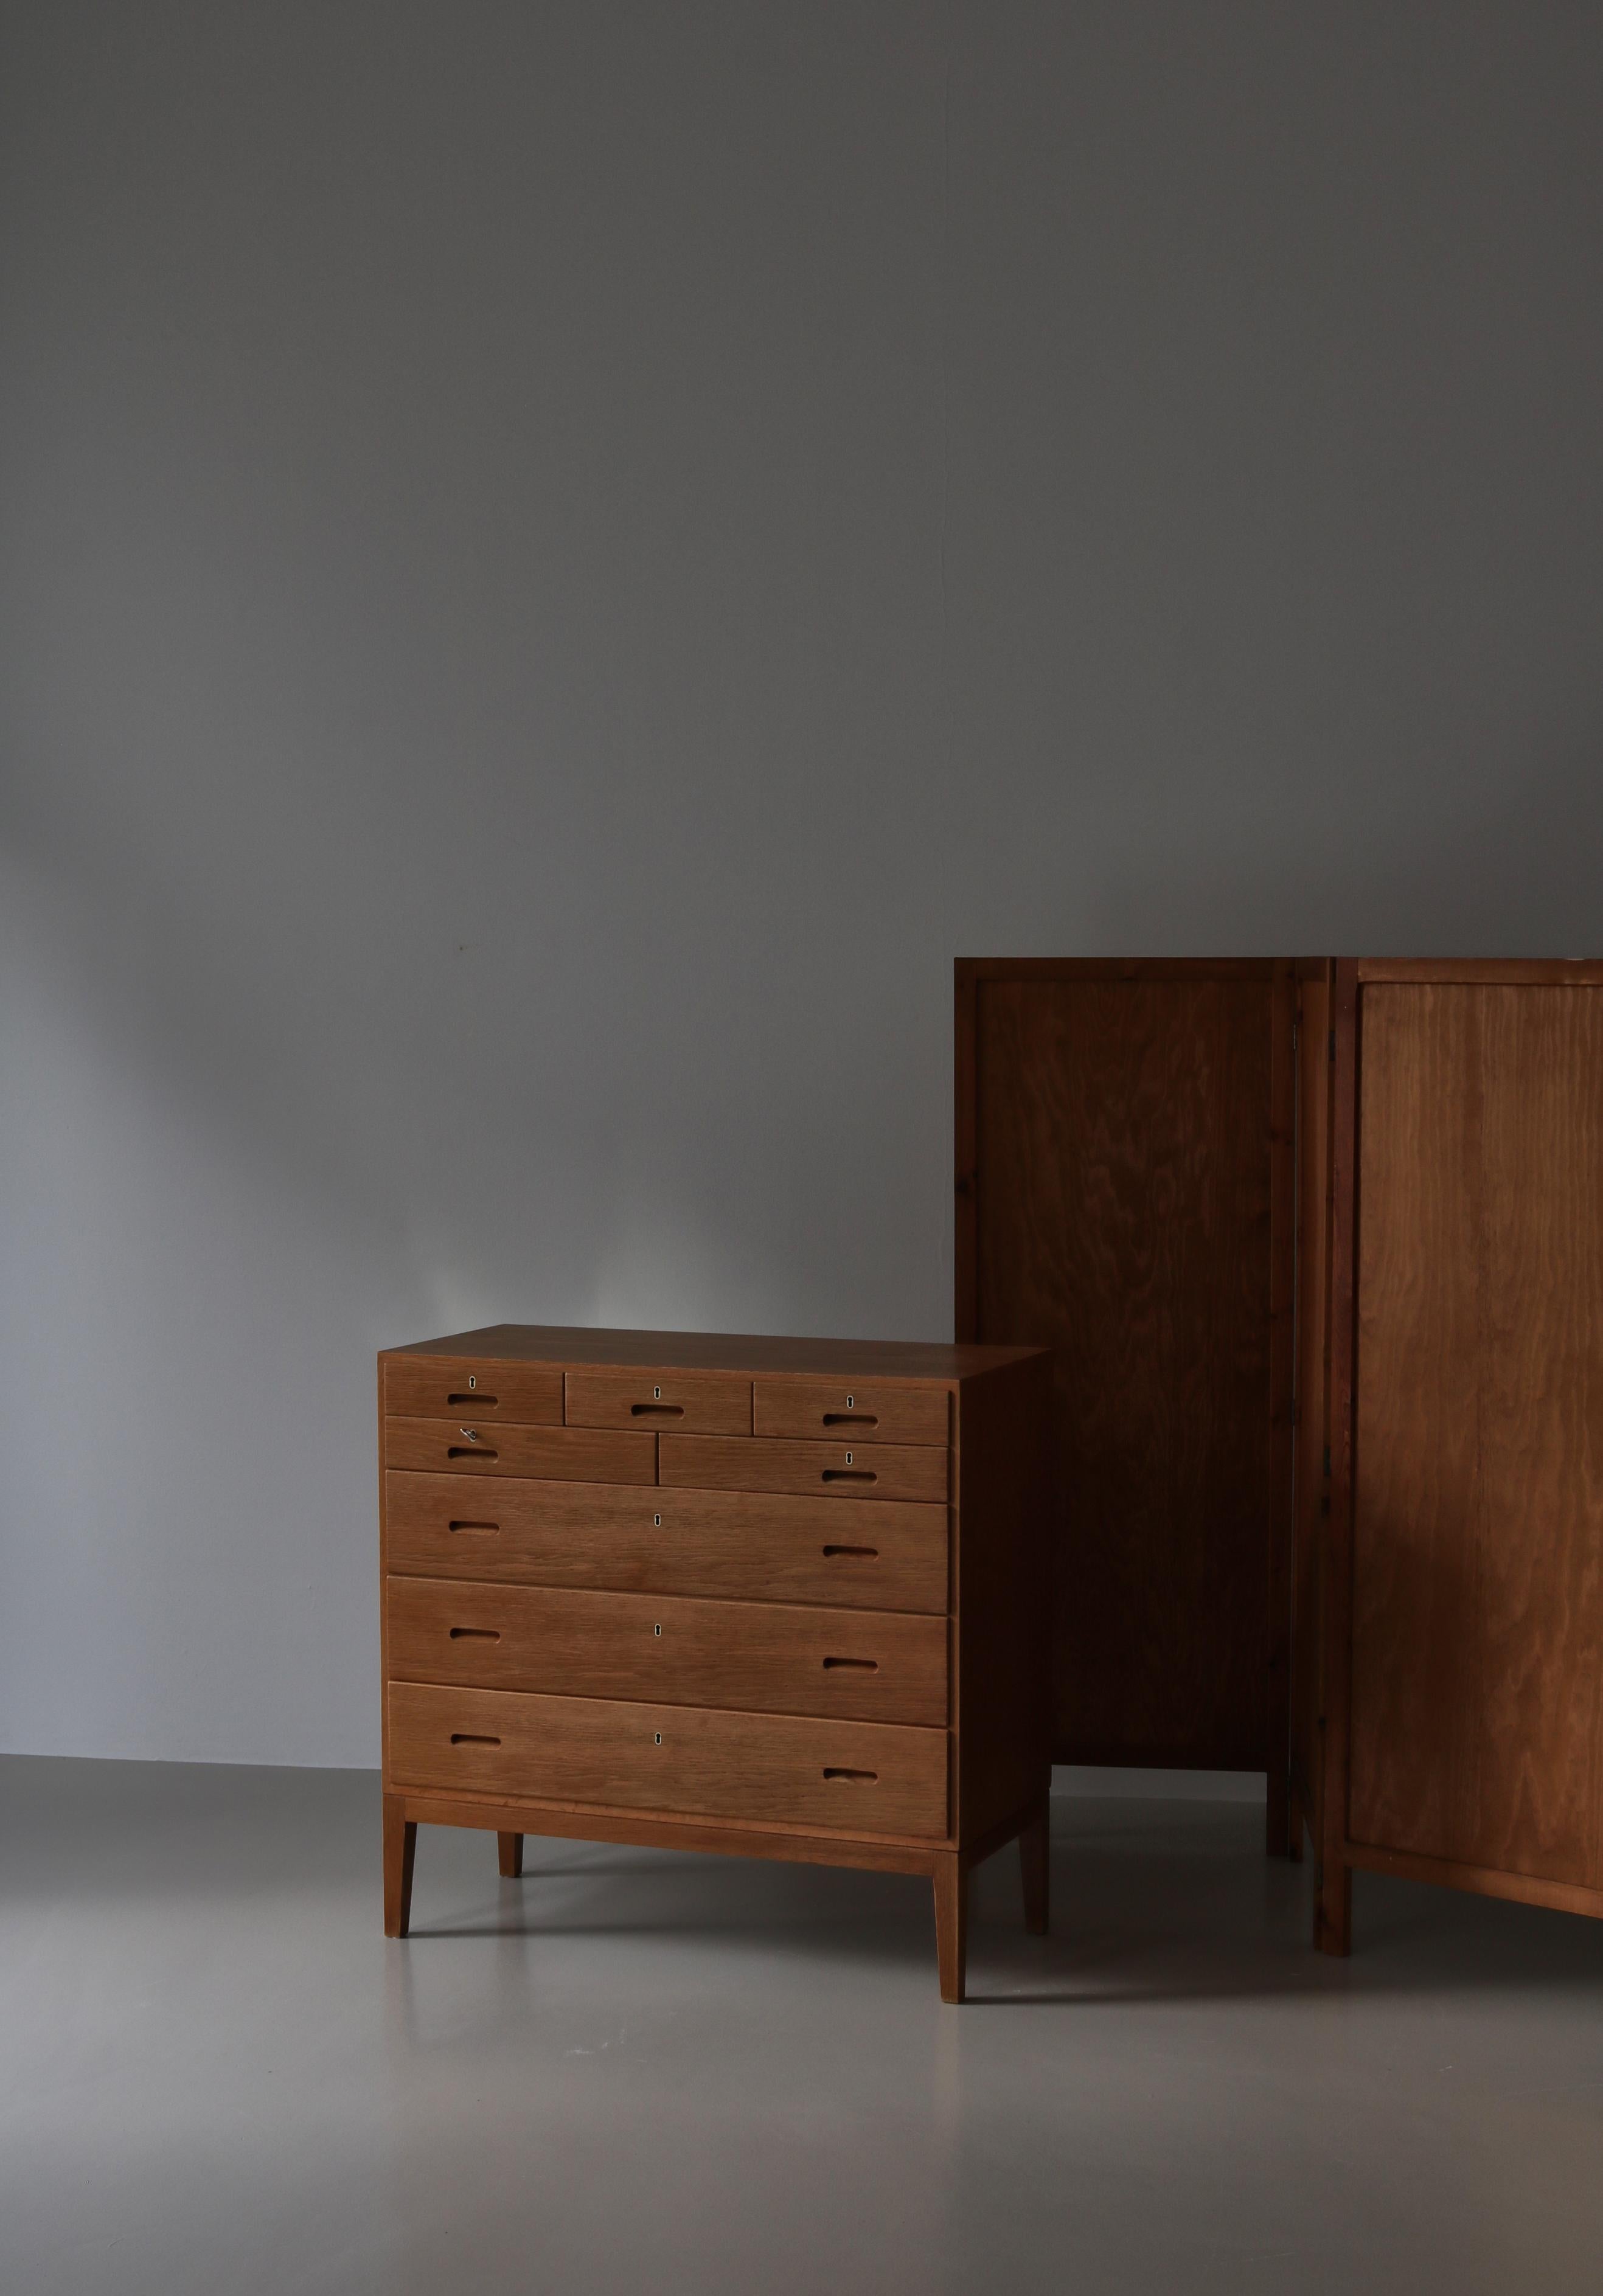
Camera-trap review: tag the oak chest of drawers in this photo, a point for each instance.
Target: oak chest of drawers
(769, 1598)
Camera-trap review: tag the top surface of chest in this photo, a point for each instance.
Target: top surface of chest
(752, 1356)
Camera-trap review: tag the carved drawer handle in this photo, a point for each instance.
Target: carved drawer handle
(483, 1527)
(852, 1777)
(851, 1666)
(853, 1475)
(857, 1553)
(474, 1450)
(851, 1419)
(461, 1402)
(475, 1634)
(471, 1738)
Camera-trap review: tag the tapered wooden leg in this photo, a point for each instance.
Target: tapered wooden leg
(511, 1849)
(1034, 1845)
(951, 1925)
(401, 1847)
(1332, 1909)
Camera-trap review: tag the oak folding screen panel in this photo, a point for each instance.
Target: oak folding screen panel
(1125, 1195)
(1460, 1614)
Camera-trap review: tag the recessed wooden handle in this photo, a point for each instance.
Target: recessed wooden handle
(483, 1529)
(851, 1419)
(857, 1553)
(845, 1474)
(656, 1411)
(852, 1777)
(851, 1666)
(470, 1451)
(475, 1634)
(470, 1402)
(471, 1738)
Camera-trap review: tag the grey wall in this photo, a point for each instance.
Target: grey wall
(560, 562)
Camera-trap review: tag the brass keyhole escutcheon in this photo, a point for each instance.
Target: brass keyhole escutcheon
(657, 1521)
(848, 1458)
(472, 1379)
(850, 1402)
(656, 1394)
(659, 1737)
(656, 1630)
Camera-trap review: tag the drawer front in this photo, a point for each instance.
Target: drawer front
(881, 1471)
(693, 1402)
(437, 1387)
(768, 1658)
(850, 1411)
(710, 1543)
(468, 1447)
(775, 1770)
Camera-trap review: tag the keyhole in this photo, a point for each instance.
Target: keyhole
(472, 1379)
(848, 1458)
(657, 1393)
(659, 1737)
(850, 1400)
(656, 1630)
(658, 1521)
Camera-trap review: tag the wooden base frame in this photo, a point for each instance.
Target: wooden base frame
(1333, 1904)
(947, 1868)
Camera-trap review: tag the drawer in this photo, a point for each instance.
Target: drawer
(775, 1770)
(850, 1411)
(882, 1471)
(770, 1657)
(435, 1387)
(712, 1543)
(695, 1402)
(569, 1453)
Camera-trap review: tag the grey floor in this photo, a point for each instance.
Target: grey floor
(639, 2071)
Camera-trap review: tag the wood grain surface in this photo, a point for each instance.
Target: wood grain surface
(857, 1411)
(722, 1837)
(846, 1777)
(1333, 1876)
(671, 1542)
(1120, 1160)
(755, 1354)
(1477, 1541)
(771, 1658)
(655, 1397)
(416, 1387)
(1312, 1481)
(835, 1471)
(1283, 1834)
(471, 1446)
(1003, 1529)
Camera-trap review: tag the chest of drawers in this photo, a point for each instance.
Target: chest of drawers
(772, 1598)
